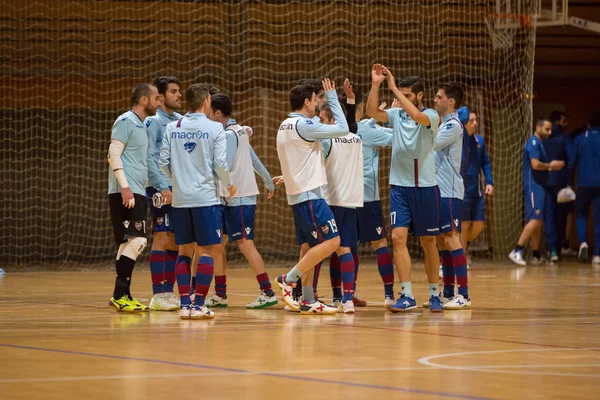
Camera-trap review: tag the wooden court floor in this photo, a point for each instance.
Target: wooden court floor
(533, 334)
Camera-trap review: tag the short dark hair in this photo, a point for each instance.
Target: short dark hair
(594, 118)
(555, 116)
(358, 98)
(220, 101)
(414, 83)
(300, 93)
(196, 94)
(454, 91)
(541, 122)
(140, 90)
(162, 83)
(315, 83)
(213, 89)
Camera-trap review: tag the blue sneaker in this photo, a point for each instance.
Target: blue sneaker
(435, 304)
(404, 303)
(2, 273)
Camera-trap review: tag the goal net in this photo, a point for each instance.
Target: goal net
(68, 67)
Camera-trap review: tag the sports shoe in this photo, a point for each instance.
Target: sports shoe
(216, 301)
(404, 303)
(173, 299)
(201, 312)
(388, 302)
(535, 261)
(458, 302)
(286, 293)
(517, 257)
(569, 252)
(185, 311)
(435, 304)
(553, 257)
(358, 301)
(441, 274)
(135, 302)
(443, 299)
(289, 309)
(596, 260)
(160, 302)
(125, 304)
(2, 272)
(348, 307)
(583, 253)
(262, 301)
(337, 304)
(317, 307)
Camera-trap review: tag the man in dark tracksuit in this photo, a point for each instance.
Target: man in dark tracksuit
(557, 147)
(586, 157)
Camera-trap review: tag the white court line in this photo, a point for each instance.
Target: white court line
(148, 376)
(502, 369)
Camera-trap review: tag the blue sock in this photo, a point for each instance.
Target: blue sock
(308, 294)
(581, 223)
(406, 288)
(293, 275)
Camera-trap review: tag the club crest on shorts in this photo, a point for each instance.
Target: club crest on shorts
(219, 232)
(126, 224)
(138, 225)
(379, 229)
(159, 221)
(325, 229)
(248, 229)
(537, 212)
(314, 234)
(167, 219)
(456, 222)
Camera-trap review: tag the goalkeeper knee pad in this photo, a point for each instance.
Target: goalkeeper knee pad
(135, 247)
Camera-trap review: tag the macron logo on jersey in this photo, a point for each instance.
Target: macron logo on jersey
(189, 135)
(148, 122)
(189, 146)
(308, 122)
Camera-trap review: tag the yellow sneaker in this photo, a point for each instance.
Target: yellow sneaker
(125, 305)
(135, 302)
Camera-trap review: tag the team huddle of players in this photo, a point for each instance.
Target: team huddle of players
(203, 193)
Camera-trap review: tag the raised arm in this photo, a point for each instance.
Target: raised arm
(314, 130)
(412, 111)
(373, 110)
(350, 106)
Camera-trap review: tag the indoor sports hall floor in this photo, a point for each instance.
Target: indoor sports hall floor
(533, 334)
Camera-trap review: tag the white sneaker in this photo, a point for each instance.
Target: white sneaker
(316, 308)
(290, 309)
(215, 301)
(287, 293)
(517, 257)
(443, 299)
(160, 302)
(185, 311)
(348, 307)
(458, 302)
(388, 302)
(262, 301)
(535, 261)
(201, 312)
(173, 299)
(441, 273)
(596, 260)
(568, 252)
(583, 253)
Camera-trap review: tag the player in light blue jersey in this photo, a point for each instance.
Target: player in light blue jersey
(448, 148)
(194, 155)
(127, 175)
(163, 253)
(240, 209)
(414, 193)
(302, 165)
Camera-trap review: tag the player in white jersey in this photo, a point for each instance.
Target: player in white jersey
(240, 209)
(343, 193)
(163, 253)
(448, 148)
(194, 155)
(127, 175)
(414, 193)
(303, 169)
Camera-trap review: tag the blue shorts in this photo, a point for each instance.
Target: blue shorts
(199, 224)
(535, 197)
(314, 222)
(239, 221)
(415, 208)
(450, 209)
(347, 224)
(371, 222)
(161, 217)
(473, 209)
